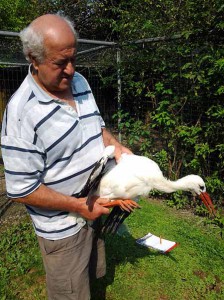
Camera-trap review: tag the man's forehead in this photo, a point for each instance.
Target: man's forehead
(60, 52)
(60, 47)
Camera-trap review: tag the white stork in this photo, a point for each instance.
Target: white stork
(134, 176)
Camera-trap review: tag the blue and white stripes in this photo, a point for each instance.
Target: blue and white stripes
(45, 141)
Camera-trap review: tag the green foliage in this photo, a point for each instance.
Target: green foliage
(179, 200)
(16, 14)
(135, 133)
(174, 89)
(162, 158)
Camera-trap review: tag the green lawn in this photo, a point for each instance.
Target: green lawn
(193, 270)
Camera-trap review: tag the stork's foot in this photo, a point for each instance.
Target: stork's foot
(128, 204)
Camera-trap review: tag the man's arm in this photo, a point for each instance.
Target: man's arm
(109, 139)
(46, 198)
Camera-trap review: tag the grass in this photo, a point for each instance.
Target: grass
(194, 270)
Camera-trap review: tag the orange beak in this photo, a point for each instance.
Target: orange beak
(208, 202)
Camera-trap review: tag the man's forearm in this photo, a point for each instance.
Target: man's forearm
(108, 138)
(46, 198)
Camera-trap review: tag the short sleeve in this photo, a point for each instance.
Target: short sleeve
(24, 166)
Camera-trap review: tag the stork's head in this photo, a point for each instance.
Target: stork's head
(196, 185)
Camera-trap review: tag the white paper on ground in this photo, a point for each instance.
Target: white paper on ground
(152, 241)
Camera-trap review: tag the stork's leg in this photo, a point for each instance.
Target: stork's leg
(127, 204)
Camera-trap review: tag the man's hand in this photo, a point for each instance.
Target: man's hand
(109, 139)
(119, 149)
(93, 210)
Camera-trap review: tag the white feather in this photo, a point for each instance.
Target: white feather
(138, 175)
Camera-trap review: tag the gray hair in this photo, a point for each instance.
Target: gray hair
(33, 40)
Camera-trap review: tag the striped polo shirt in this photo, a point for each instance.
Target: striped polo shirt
(45, 141)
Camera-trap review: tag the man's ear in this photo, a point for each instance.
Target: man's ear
(34, 62)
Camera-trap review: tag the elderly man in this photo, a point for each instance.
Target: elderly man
(52, 135)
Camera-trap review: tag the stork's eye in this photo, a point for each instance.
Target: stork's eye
(202, 187)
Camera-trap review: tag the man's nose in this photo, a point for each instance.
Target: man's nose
(70, 68)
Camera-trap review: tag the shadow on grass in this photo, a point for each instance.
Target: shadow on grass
(119, 250)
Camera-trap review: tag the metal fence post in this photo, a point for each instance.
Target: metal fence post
(119, 91)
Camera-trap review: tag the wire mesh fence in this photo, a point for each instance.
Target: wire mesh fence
(96, 59)
(92, 57)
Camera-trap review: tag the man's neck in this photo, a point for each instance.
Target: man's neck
(65, 96)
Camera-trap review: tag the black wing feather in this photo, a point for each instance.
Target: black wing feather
(100, 168)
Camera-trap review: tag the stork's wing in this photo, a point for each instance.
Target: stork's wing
(114, 220)
(95, 176)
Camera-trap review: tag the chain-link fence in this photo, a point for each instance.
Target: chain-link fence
(167, 75)
(92, 57)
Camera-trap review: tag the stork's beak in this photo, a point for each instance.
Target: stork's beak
(208, 202)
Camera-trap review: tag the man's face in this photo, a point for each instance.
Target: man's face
(55, 73)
